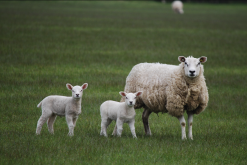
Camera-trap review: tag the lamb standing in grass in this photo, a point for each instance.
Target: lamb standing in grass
(170, 88)
(177, 6)
(70, 107)
(120, 112)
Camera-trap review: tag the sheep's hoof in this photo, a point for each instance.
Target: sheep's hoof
(70, 134)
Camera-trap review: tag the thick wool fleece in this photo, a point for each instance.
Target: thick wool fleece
(167, 89)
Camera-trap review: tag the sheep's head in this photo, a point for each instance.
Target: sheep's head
(77, 91)
(130, 98)
(192, 66)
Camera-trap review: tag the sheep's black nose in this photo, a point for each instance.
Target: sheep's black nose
(77, 95)
(192, 71)
(131, 102)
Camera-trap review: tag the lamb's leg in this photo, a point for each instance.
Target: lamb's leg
(132, 128)
(114, 133)
(190, 120)
(183, 124)
(119, 127)
(50, 123)
(43, 118)
(104, 124)
(145, 116)
(74, 121)
(69, 120)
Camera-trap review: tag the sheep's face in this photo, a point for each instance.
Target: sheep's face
(192, 66)
(130, 98)
(77, 91)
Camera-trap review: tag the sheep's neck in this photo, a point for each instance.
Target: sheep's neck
(76, 101)
(129, 110)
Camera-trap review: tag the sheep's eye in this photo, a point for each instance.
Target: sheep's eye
(185, 63)
(199, 63)
(73, 91)
(81, 90)
(135, 97)
(126, 97)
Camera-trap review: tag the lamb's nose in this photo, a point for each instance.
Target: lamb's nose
(192, 71)
(131, 102)
(77, 95)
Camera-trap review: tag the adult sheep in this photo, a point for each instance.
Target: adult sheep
(177, 6)
(170, 89)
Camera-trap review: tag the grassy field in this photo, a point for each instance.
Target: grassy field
(44, 45)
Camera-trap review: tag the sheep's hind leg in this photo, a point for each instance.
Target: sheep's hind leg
(50, 123)
(183, 124)
(145, 116)
(74, 121)
(190, 120)
(114, 133)
(104, 124)
(43, 118)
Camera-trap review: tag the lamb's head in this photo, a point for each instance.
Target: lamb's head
(77, 91)
(130, 98)
(192, 66)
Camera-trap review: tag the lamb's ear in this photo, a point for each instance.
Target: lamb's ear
(84, 86)
(69, 86)
(122, 93)
(203, 59)
(181, 59)
(138, 93)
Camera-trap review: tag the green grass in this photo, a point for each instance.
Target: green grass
(44, 45)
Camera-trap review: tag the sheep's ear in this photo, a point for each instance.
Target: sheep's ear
(84, 86)
(181, 59)
(203, 59)
(69, 86)
(138, 93)
(122, 93)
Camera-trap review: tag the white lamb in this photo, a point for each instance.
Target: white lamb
(170, 89)
(177, 6)
(120, 112)
(53, 106)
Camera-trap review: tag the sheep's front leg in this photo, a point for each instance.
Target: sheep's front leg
(132, 128)
(119, 127)
(145, 116)
(69, 120)
(190, 120)
(183, 124)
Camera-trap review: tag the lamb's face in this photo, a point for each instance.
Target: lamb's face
(130, 98)
(77, 91)
(192, 66)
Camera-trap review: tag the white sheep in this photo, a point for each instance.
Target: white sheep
(170, 88)
(120, 112)
(177, 6)
(53, 106)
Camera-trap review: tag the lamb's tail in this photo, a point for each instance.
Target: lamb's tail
(39, 105)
